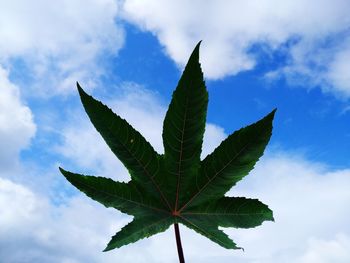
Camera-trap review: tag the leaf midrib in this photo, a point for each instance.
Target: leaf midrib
(215, 175)
(180, 156)
(123, 198)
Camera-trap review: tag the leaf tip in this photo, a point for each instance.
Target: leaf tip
(195, 52)
(65, 173)
(198, 44)
(80, 89)
(62, 170)
(235, 247)
(270, 117)
(273, 112)
(107, 249)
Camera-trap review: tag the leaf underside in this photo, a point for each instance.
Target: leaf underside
(177, 186)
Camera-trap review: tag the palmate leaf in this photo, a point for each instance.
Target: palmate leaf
(177, 187)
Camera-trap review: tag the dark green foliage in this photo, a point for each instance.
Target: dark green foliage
(177, 187)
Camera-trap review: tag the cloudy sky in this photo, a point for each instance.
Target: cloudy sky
(256, 55)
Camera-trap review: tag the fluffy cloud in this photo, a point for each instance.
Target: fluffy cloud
(230, 29)
(13, 196)
(58, 42)
(338, 73)
(48, 233)
(309, 203)
(318, 63)
(17, 126)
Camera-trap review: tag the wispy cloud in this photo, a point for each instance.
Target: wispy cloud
(320, 62)
(230, 29)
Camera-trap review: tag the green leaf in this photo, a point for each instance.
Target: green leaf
(140, 228)
(177, 187)
(183, 130)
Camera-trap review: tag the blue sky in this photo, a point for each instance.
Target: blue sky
(130, 54)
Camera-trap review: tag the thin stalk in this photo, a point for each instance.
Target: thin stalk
(178, 243)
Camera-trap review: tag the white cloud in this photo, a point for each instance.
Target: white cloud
(34, 230)
(309, 203)
(12, 198)
(323, 251)
(17, 126)
(230, 28)
(338, 73)
(315, 63)
(57, 27)
(59, 41)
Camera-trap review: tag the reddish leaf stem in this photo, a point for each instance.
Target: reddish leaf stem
(178, 243)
